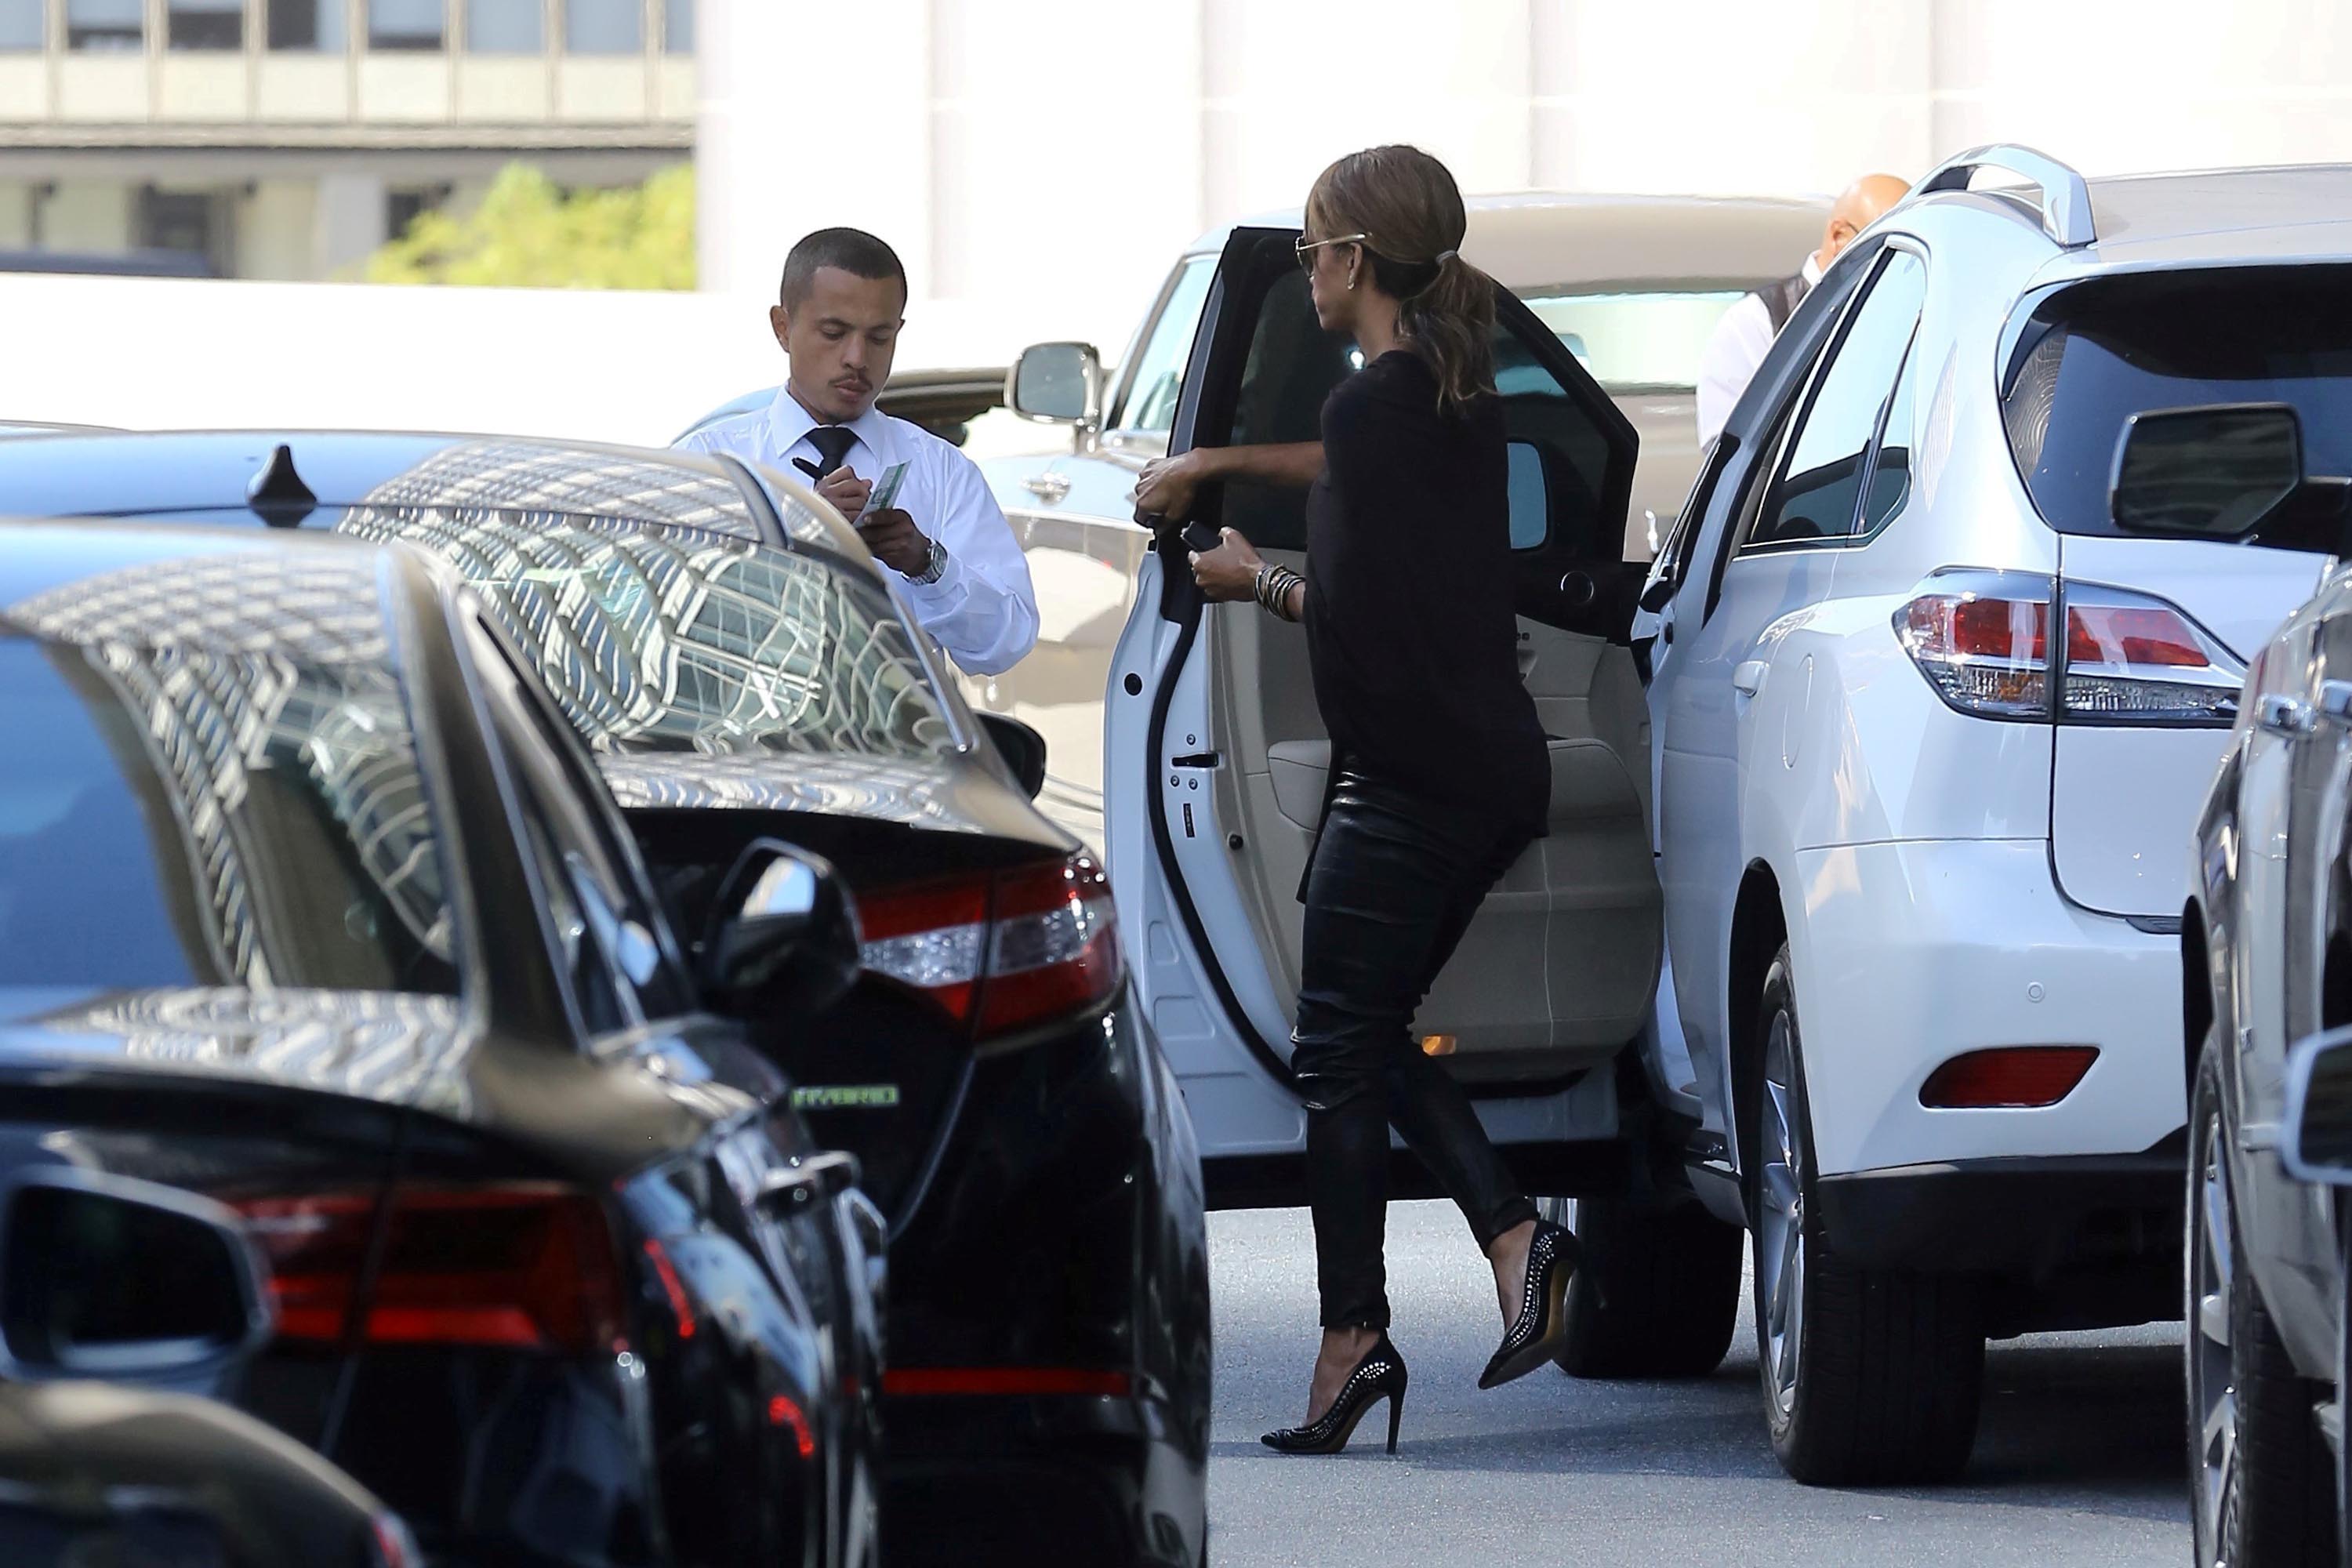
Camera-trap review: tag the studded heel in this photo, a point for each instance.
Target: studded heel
(1380, 1374)
(1537, 1333)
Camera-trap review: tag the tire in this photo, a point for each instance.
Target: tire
(2262, 1480)
(1870, 1376)
(1657, 1293)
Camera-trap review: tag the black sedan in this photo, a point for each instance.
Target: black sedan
(310, 902)
(742, 670)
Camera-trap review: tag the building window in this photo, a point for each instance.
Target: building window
(106, 24)
(405, 205)
(604, 27)
(415, 25)
(195, 223)
(21, 23)
(308, 25)
(505, 27)
(678, 26)
(205, 24)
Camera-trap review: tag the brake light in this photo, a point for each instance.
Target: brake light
(521, 1266)
(1000, 951)
(2014, 1077)
(2135, 660)
(1983, 641)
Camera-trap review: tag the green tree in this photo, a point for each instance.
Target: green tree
(529, 234)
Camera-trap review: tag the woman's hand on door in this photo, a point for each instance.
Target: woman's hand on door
(1166, 487)
(1229, 572)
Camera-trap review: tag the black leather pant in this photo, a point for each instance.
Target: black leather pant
(1394, 883)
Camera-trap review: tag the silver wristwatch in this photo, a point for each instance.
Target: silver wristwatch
(932, 568)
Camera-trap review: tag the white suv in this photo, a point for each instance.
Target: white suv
(1923, 853)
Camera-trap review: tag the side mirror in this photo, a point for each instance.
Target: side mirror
(105, 1277)
(2218, 472)
(1658, 595)
(1058, 384)
(2316, 1142)
(783, 934)
(1022, 749)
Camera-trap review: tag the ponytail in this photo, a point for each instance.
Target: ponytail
(1450, 322)
(1408, 206)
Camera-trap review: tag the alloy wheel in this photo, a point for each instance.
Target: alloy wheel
(2213, 1380)
(1781, 1217)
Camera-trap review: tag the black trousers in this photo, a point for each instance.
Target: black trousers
(1394, 883)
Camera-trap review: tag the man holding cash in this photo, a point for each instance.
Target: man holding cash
(837, 317)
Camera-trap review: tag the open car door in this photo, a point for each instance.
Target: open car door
(1215, 759)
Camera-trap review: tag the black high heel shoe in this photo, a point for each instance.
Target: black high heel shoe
(1381, 1374)
(1537, 1333)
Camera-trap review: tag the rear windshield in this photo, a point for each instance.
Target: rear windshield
(180, 817)
(1634, 344)
(669, 639)
(2096, 353)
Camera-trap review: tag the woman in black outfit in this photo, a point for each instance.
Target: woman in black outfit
(1439, 774)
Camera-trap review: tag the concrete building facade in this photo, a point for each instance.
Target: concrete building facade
(1096, 136)
(287, 138)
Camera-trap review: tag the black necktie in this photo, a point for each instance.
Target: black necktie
(832, 443)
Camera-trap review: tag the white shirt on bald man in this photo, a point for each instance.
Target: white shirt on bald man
(983, 607)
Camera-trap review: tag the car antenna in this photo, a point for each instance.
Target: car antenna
(277, 492)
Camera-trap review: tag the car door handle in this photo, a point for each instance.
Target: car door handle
(1749, 678)
(1047, 487)
(808, 1180)
(2335, 700)
(2283, 715)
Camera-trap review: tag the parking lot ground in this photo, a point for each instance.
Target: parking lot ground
(2080, 1460)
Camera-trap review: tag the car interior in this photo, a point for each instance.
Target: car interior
(1581, 908)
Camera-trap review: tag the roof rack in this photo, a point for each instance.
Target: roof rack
(2065, 198)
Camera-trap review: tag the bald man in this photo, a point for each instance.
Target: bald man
(1745, 334)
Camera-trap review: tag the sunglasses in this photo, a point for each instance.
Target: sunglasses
(1306, 249)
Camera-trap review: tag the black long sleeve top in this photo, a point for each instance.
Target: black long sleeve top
(1410, 627)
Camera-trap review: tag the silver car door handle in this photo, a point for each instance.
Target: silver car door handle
(1047, 487)
(2336, 700)
(2283, 715)
(1749, 678)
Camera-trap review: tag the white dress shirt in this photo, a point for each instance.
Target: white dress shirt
(1742, 338)
(982, 609)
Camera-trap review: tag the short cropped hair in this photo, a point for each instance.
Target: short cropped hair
(853, 250)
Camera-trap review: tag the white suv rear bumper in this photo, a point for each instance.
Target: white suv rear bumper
(1909, 953)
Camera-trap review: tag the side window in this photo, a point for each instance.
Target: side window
(1890, 461)
(1675, 550)
(1559, 461)
(1148, 406)
(603, 921)
(1818, 493)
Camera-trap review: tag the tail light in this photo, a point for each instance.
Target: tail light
(1000, 951)
(2015, 1077)
(521, 1266)
(1982, 640)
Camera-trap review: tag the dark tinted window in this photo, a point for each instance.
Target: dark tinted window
(174, 816)
(593, 888)
(1559, 464)
(1820, 487)
(2103, 351)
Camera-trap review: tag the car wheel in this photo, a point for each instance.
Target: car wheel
(1872, 1376)
(1656, 1293)
(2262, 1489)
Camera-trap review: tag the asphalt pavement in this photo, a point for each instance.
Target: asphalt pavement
(2080, 1460)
